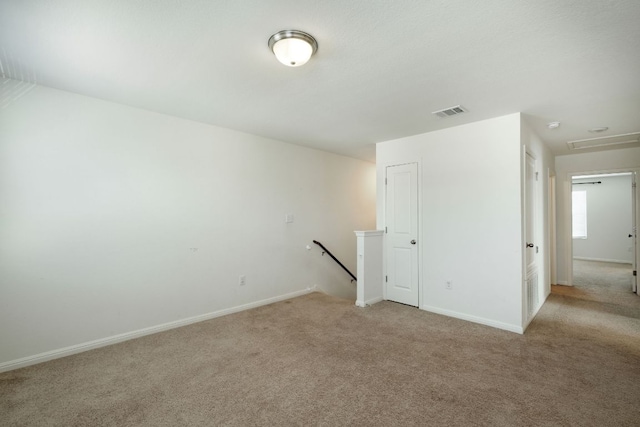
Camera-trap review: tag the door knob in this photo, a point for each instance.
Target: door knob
(413, 242)
(630, 235)
(529, 245)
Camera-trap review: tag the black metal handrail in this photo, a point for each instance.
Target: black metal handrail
(335, 259)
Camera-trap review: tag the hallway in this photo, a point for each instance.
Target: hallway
(605, 282)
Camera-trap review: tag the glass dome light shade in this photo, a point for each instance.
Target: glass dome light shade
(292, 52)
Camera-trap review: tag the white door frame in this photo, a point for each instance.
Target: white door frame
(568, 220)
(418, 162)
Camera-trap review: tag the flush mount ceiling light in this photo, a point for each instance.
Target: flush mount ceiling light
(293, 48)
(553, 125)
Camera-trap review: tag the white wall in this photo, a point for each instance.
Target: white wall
(609, 220)
(598, 162)
(114, 219)
(471, 223)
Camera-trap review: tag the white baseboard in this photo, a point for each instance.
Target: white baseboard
(373, 301)
(617, 261)
(366, 303)
(475, 319)
(79, 348)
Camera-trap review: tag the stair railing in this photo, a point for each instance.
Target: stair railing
(335, 259)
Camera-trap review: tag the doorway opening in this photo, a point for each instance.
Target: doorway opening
(603, 229)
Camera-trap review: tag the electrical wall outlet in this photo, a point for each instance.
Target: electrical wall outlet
(448, 284)
(243, 280)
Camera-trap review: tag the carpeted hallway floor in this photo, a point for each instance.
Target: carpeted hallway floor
(606, 282)
(319, 360)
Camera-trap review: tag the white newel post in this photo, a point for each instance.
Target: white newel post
(369, 289)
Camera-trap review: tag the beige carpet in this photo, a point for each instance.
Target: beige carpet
(319, 360)
(606, 282)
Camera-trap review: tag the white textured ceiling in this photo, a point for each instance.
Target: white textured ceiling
(382, 67)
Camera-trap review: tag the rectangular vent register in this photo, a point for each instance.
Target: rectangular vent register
(451, 111)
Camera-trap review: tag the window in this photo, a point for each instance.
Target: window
(579, 214)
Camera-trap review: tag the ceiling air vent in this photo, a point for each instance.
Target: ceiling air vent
(451, 111)
(627, 138)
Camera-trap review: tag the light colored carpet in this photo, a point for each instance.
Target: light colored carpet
(606, 282)
(319, 360)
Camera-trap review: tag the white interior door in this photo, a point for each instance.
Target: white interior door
(401, 217)
(634, 233)
(552, 233)
(531, 245)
